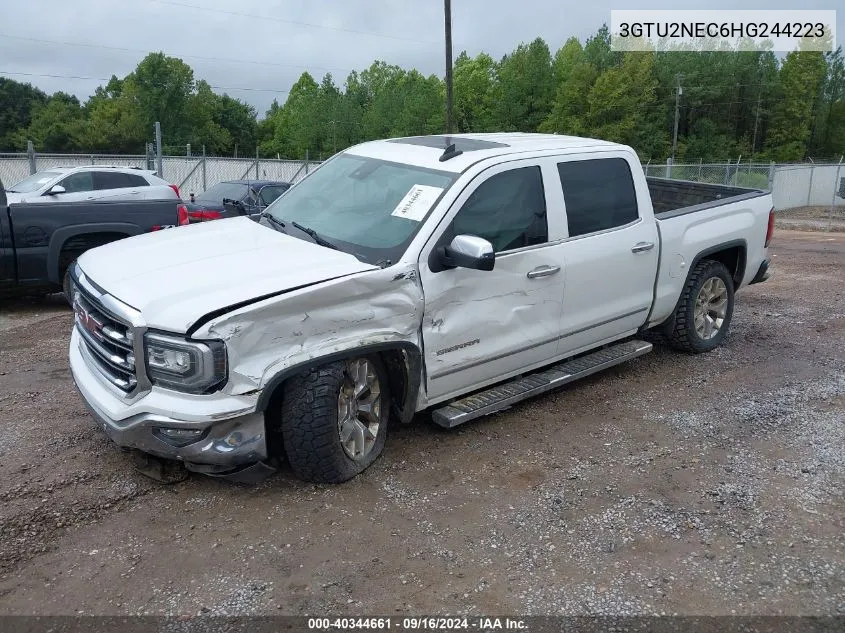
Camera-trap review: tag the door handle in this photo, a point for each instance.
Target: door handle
(642, 247)
(543, 271)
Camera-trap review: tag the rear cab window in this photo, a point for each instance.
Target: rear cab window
(599, 195)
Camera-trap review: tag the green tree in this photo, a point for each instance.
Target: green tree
(526, 88)
(203, 112)
(18, 102)
(476, 93)
(620, 101)
(567, 57)
(571, 107)
(800, 81)
(832, 93)
(239, 119)
(59, 125)
(597, 51)
(160, 89)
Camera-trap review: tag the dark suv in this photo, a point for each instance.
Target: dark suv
(232, 198)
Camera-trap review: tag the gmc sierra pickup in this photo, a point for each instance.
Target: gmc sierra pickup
(458, 274)
(39, 242)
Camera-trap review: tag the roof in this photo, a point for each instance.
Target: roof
(69, 168)
(258, 183)
(425, 151)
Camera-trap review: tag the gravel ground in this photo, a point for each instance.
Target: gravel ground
(673, 484)
(812, 219)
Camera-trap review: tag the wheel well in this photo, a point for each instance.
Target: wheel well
(732, 257)
(401, 365)
(74, 246)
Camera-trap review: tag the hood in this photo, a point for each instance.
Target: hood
(178, 275)
(12, 197)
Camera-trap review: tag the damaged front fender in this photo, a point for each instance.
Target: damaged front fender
(370, 312)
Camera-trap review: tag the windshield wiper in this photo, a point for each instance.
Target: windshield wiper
(11, 191)
(315, 236)
(277, 222)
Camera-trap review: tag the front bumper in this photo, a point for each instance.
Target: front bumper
(230, 433)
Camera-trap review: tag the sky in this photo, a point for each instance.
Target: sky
(256, 49)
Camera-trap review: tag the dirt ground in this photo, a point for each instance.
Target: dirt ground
(673, 484)
(812, 219)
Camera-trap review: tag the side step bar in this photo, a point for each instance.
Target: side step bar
(504, 395)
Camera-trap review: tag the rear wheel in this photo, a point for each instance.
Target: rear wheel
(334, 419)
(703, 316)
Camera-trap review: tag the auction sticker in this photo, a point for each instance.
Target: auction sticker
(417, 202)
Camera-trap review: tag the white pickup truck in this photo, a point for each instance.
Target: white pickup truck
(458, 274)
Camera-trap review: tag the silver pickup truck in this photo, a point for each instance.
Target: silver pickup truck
(458, 274)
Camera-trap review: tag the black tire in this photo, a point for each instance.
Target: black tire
(66, 280)
(310, 426)
(681, 333)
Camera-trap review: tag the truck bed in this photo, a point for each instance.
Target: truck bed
(677, 197)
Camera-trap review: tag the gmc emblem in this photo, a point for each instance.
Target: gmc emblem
(87, 321)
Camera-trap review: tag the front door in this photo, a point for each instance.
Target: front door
(482, 326)
(78, 186)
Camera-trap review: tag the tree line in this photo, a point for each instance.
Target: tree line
(728, 104)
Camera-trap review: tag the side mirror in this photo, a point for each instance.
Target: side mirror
(468, 251)
(56, 189)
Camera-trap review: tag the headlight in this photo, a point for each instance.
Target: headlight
(189, 366)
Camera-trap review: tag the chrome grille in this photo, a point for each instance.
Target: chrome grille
(108, 341)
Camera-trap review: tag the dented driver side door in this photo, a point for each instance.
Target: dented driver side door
(483, 326)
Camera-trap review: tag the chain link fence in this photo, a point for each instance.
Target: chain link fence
(752, 175)
(792, 185)
(193, 174)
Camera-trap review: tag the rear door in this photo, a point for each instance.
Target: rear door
(611, 253)
(115, 185)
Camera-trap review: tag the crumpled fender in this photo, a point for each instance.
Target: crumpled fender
(372, 310)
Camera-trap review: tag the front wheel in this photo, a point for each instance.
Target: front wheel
(334, 419)
(704, 313)
(66, 284)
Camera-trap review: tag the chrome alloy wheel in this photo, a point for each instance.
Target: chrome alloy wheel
(359, 408)
(711, 306)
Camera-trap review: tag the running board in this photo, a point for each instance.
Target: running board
(504, 395)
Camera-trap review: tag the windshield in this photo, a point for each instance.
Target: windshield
(231, 190)
(34, 182)
(368, 207)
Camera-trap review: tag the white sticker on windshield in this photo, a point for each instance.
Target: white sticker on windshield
(417, 202)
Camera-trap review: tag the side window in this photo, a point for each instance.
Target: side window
(508, 210)
(111, 180)
(599, 194)
(269, 194)
(136, 181)
(78, 182)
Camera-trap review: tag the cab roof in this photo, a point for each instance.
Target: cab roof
(427, 151)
